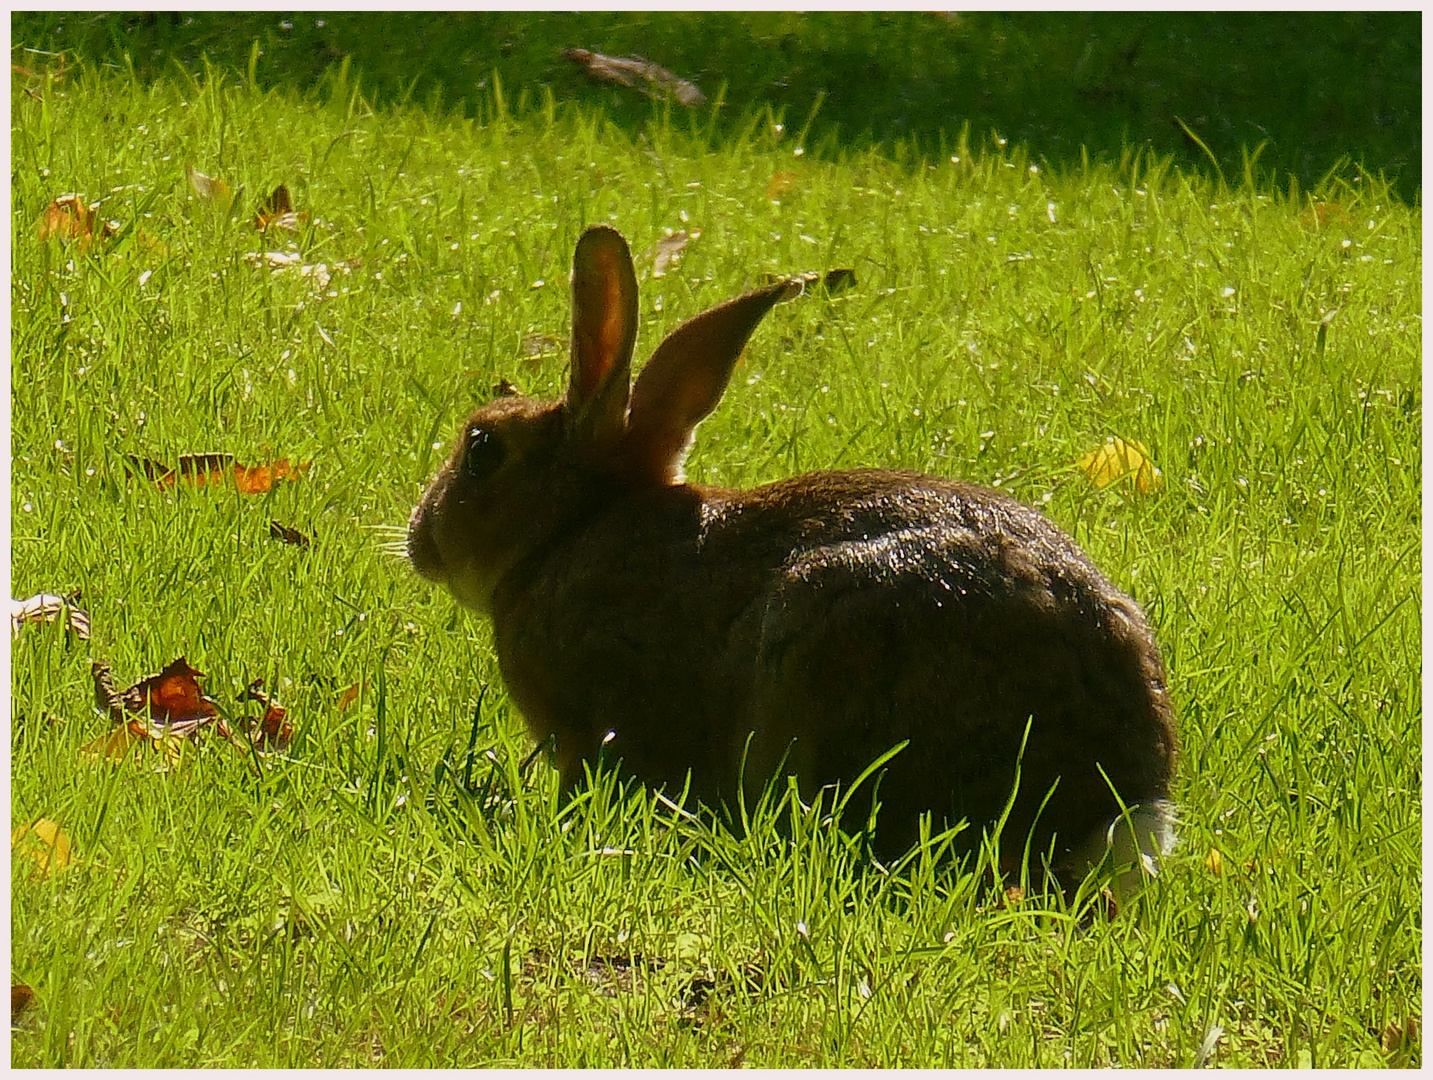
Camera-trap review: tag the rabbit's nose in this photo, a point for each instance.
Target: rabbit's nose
(422, 549)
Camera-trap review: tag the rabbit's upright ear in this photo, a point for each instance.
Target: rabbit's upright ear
(684, 379)
(604, 329)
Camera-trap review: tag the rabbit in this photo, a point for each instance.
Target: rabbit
(710, 637)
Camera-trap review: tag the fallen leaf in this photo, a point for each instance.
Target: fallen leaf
(172, 698)
(162, 709)
(625, 71)
(1214, 862)
(43, 841)
(20, 998)
(273, 733)
(287, 535)
(780, 183)
(258, 479)
(206, 188)
(199, 470)
(68, 218)
(114, 744)
(668, 250)
(47, 607)
(534, 346)
(1321, 213)
(161, 474)
(292, 263)
(1120, 458)
(839, 280)
(1402, 1039)
(278, 212)
(832, 281)
(346, 698)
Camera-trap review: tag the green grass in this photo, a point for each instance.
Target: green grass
(1299, 89)
(396, 889)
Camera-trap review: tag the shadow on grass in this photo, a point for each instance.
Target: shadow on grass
(1312, 87)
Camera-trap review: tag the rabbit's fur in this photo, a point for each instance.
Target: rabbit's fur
(707, 635)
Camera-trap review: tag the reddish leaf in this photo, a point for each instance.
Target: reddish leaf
(20, 998)
(199, 470)
(274, 732)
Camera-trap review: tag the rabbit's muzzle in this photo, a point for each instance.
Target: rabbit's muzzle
(423, 549)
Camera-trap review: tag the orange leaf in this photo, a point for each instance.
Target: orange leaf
(1120, 458)
(346, 698)
(68, 218)
(257, 479)
(43, 841)
(274, 732)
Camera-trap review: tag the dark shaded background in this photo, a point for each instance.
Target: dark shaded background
(1314, 87)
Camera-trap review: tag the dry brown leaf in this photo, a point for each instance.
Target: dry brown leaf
(625, 71)
(20, 998)
(45, 842)
(47, 607)
(346, 698)
(1120, 458)
(668, 250)
(278, 212)
(287, 535)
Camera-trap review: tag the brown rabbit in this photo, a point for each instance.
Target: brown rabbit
(714, 634)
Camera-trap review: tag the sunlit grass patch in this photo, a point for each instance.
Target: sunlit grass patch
(396, 887)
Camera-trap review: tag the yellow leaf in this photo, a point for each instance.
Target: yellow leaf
(113, 744)
(1119, 458)
(207, 188)
(43, 841)
(1214, 862)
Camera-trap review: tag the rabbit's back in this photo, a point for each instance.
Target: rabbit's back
(824, 619)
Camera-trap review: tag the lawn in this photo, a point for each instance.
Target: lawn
(400, 884)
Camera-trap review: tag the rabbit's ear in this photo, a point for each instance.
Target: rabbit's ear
(684, 379)
(604, 329)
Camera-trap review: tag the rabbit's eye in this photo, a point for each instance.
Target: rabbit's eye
(484, 454)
